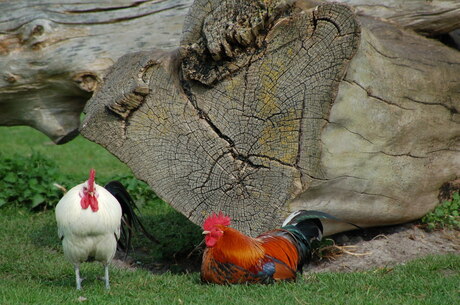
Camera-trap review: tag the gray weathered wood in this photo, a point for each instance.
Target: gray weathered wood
(53, 54)
(251, 116)
(427, 17)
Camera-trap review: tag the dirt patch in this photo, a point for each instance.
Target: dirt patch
(385, 247)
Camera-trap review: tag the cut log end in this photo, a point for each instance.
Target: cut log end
(223, 128)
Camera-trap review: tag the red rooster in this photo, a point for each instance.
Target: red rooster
(89, 219)
(233, 258)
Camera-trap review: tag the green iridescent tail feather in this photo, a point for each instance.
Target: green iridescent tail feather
(307, 229)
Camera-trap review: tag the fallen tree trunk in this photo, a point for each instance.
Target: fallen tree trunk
(254, 115)
(54, 54)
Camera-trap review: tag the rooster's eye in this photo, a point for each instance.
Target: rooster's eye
(216, 233)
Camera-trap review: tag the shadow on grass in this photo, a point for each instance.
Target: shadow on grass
(179, 250)
(46, 236)
(92, 276)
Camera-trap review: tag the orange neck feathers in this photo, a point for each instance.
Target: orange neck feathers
(237, 248)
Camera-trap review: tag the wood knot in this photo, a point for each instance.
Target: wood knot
(37, 34)
(142, 90)
(130, 101)
(87, 81)
(38, 30)
(11, 78)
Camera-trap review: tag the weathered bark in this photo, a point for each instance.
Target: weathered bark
(239, 118)
(53, 54)
(427, 17)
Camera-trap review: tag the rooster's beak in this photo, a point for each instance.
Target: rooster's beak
(206, 232)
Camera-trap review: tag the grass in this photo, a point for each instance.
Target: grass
(74, 158)
(33, 269)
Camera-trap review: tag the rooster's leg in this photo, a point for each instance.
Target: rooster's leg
(77, 276)
(106, 276)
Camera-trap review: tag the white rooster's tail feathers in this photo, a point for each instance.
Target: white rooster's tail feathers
(130, 220)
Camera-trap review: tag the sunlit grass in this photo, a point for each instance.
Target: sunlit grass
(74, 158)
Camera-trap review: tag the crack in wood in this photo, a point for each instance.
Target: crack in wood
(108, 9)
(120, 19)
(203, 115)
(398, 58)
(313, 177)
(271, 159)
(329, 20)
(395, 155)
(347, 176)
(381, 52)
(451, 109)
(442, 150)
(374, 194)
(246, 159)
(369, 93)
(407, 66)
(353, 132)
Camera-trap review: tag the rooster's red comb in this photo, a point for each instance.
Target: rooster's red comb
(92, 175)
(214, 220)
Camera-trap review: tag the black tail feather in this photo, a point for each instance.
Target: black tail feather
(305, 234)
(130, 220)
(300, 215)
(307, 230)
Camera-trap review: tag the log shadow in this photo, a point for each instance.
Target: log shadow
(180, 245)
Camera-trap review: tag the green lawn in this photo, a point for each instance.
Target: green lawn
(33, 269)
(73, 158)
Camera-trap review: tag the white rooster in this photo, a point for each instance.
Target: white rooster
(89, 220)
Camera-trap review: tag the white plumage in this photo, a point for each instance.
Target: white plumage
(88, 234)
